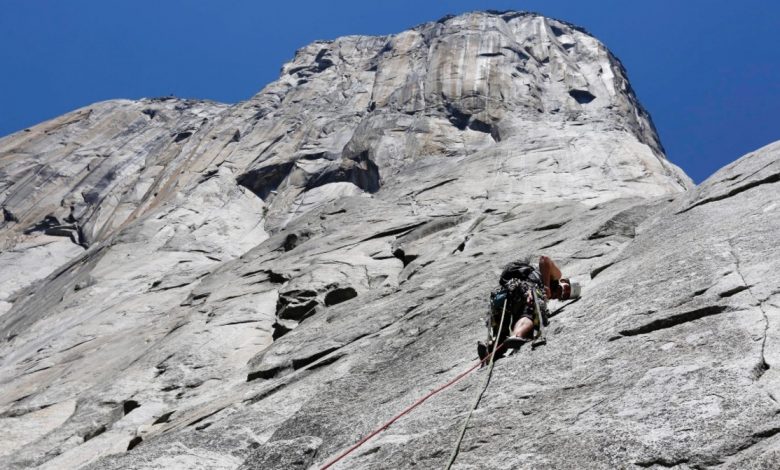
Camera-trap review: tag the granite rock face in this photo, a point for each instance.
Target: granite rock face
(186, 284)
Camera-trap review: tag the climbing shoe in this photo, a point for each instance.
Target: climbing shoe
(514, 342)
(482, 350)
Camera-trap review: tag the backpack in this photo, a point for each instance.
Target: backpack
(522, 271)
(514, 292)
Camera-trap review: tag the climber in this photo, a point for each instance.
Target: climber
(519, 284)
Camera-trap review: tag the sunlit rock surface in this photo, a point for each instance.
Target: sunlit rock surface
(187, 284)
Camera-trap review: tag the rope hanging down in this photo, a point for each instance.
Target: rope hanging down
(419, 402)
(455, 451)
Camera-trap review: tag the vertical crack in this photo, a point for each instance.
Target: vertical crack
(762, 366)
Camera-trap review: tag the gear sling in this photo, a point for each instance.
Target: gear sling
(519, 282)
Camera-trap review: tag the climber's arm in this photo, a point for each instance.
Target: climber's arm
(549, 271)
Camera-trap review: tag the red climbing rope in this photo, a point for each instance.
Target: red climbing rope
(410, 408)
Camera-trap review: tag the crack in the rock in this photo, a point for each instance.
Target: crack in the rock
(557, 242)
(597, 255)
(661, 462)
(552, 226)
(462, 246)
(156, 284)
(442, 183)
(577, 417)
(756, 439)
(175, 327)
(674, 320)
(599, 269)
(762, 366)
(134, 442)
(238, 322)
(36, 370)
(305, 361)
(399, 231)
(76, 345)
(202, 418)
(164, 418)
(561, 308)
(734, 291)
(768, 180)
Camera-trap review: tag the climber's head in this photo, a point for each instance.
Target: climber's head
(564, 289)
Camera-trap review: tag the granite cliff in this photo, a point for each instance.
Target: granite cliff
(188, 284)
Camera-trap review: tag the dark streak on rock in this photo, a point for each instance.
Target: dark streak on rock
(768, 180)
(94, 432)
(328, 361)
(662, 462)
(596, 271)
(265, 393)
(395, 231)
(561, 308)
(405, 259)
(264, 374)
(303, 362)
(597, 255)
(553, 226)
(8, 216)
(134, 442)
(193, 297)
(338, 295)
(175, 327)
(263, 180)
(238, 322)
(182, 135)
(207, 176)
(279, 330)
(760, 369)
(156, 284)
(674, 320)
(557, 242)
(442, 183)
(130, 405)
(734, 291)
(193, 423)
(164, 418)
(36, 370)
(700, 292)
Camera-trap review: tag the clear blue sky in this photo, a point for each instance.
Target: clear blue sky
(708, 71)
